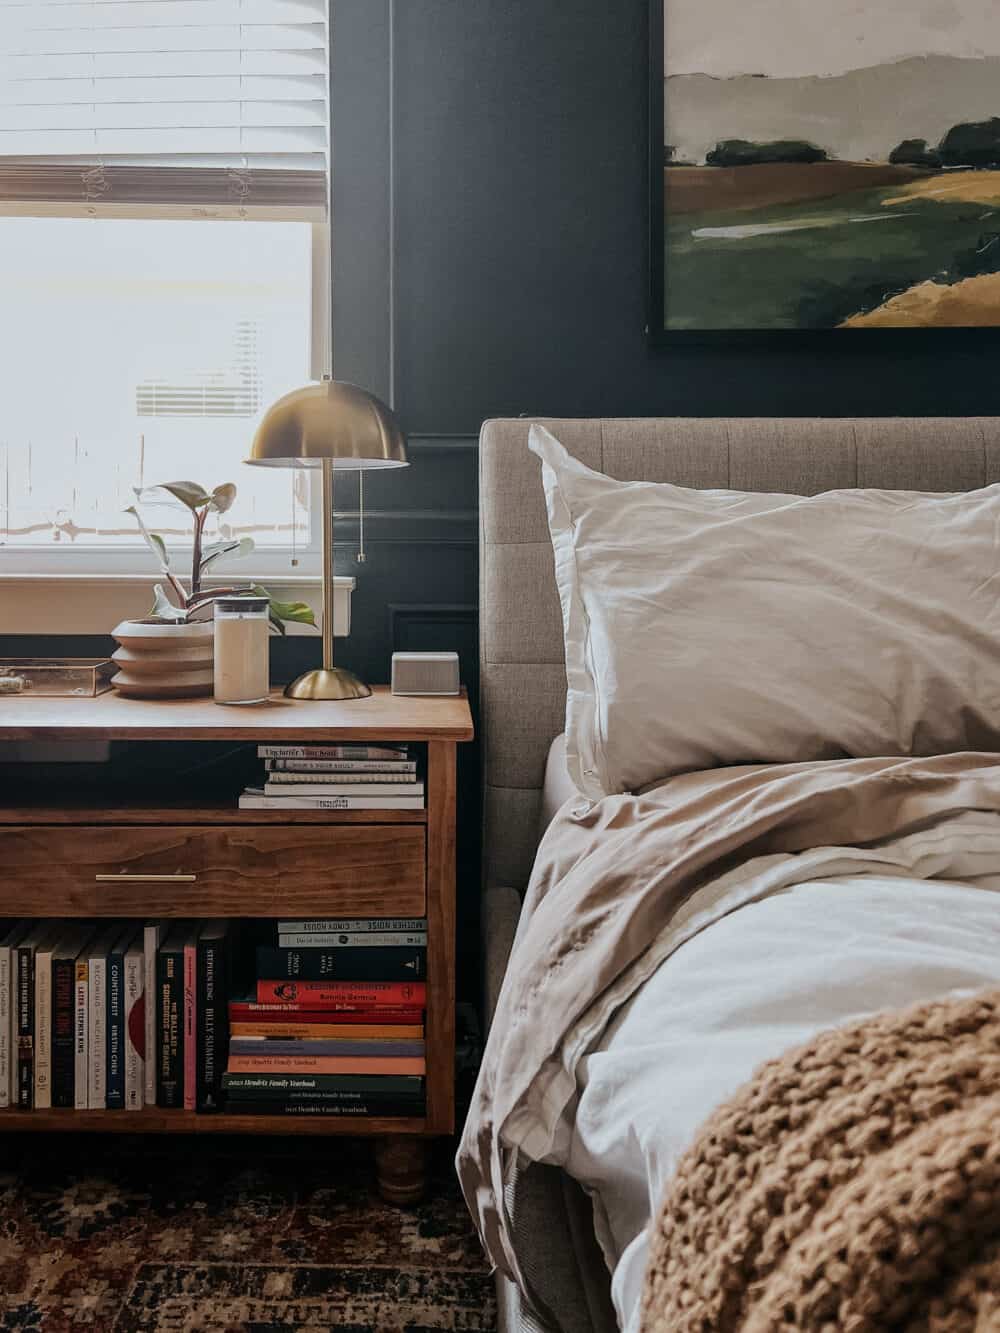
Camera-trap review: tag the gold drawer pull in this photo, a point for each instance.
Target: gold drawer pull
(148, 879)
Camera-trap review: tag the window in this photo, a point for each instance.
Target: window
(163, 263)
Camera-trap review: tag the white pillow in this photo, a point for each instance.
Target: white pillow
(717, 627)
(558, 786)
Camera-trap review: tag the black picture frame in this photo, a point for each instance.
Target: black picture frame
(826, 342)
(656, 314)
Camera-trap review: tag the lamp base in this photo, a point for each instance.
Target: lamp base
(333, 684)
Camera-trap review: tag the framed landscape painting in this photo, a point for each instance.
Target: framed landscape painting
(831, 165)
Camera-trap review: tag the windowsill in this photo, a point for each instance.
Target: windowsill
(94, 603)
(284, 579)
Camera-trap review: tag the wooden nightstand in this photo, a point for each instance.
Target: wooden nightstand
(72, 854)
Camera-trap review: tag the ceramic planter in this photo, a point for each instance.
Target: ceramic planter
(162, 661)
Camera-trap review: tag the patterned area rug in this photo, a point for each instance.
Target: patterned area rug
(228, 1236)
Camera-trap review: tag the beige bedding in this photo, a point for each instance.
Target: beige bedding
(619, 887)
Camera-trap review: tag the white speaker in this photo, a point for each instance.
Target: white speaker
(425, 673)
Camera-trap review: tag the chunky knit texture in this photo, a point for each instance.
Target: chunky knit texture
(852, 1185)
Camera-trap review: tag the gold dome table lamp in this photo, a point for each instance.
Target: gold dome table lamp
(328, 425)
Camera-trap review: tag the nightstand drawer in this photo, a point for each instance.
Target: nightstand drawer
(178, 870)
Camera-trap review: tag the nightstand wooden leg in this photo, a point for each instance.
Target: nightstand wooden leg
(401, 1167)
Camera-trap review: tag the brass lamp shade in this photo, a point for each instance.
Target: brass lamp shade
(331, 420)
(328, 425)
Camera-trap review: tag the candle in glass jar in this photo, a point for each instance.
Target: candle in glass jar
(241, 650)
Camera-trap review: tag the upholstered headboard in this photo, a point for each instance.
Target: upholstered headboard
(521, 653)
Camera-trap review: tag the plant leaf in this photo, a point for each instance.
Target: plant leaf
(190, 494)
(153, 540)
(237, 549)
(222, 497)
(163, 607)
(300, 612)
(280, 612)
(160, 547)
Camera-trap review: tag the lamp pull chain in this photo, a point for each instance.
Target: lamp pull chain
(295, 546)
(361, 557)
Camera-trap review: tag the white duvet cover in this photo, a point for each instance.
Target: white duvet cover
(763, 979)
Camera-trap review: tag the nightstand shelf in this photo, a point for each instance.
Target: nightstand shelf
(76, 809)
(162, 854)
(154, 1120)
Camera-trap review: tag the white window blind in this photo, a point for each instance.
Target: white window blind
(164, 101)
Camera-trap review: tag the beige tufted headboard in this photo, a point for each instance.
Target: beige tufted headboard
(521, 653)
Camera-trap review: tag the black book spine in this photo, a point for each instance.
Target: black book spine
(170, 1028)
(115, 1009)
(415, 1101)
(374, 1108)
(212, 1013)
(291, 1086)
(63, 1030)
(343, 963)
(26, 1028)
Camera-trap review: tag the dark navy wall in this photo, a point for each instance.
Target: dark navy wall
(520, 189)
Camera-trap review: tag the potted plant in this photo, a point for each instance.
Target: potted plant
(168, 654)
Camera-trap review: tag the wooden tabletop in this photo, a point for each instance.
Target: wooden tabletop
(383, 715)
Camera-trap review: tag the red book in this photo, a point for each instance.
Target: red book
(63, 1030)
(326, 1064)
(242, 1011)
(370, 994)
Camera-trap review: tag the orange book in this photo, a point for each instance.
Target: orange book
(327, 1064)
(319, 994)
(331, 1031)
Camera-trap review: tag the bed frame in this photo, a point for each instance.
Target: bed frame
(523, 685)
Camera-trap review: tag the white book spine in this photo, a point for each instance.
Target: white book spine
(81, 1036)
(152, 938)
(255, 801)
(358, 940)
(375, 768)
(325, 753)
(408, 783)
(135, 1082)
(97, 1078)
(5, 1024)
(353, 925)
(43, 1030)
(286, 789)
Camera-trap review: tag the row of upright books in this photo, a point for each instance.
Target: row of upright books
(113, 1015)
(335, 1024)
(123, 1015)
(336, 777)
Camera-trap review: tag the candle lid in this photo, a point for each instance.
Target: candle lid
(242, 603)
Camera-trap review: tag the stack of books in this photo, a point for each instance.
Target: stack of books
(112, 1015)
(336, 777)
(335, 1025)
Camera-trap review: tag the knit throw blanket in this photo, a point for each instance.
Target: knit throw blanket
(852, 1185)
